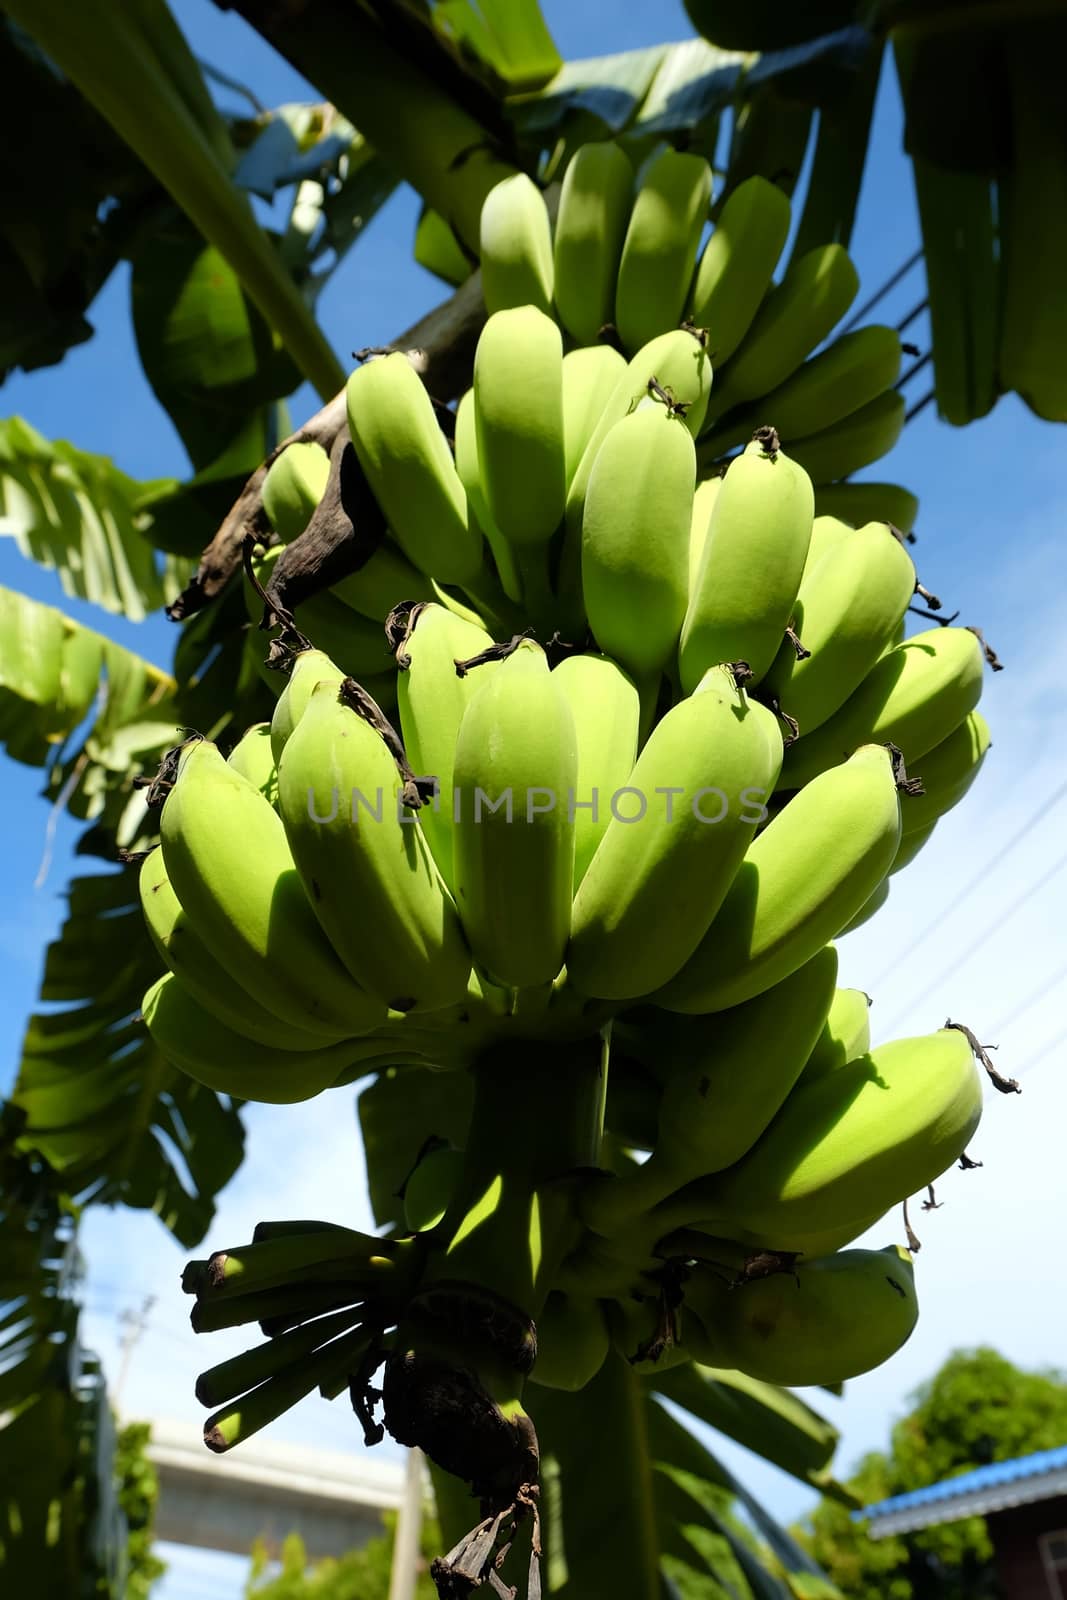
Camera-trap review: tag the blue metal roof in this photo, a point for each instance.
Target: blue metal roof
(970, 1482)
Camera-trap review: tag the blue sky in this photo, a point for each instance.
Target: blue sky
(964, 934)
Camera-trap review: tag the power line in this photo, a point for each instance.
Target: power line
(978, 881)
(1024, 1005)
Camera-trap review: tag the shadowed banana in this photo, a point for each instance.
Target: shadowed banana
(594, 209)
(253, 758)
(660, 247)
(572, 1342)
(948, 770)
(309, 668)
(294, 485)
(858, 503)
(855, 441)
(826, 534)
(703, 505)
(606, 710)
(738, 263)
(590, 378)
(846, 1034)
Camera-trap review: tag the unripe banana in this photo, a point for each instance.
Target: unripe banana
(606, 709)
(637, 1325)
(826, 534)
(382, 583)
(874, 903)
(469, 468)
(804, 877)
(635, 539)
(515, 767)
(433, 698)
(660, 247)
(355, 643)
(796, 316)
(857, 1140)
(572, 1339)
(590, 378)
(846, 1034)
(294, 485)
(364, 862)
(226, 855)
(738, 264)
(594, 209)
(211, 1053)
(856, 441)
(438, 249)
(948, 770)
(670, 867)
(407, 462)
(518, 414)
(856, 369)
(828, 1320)
(309, 668)
(911, 844)
(857, 503)
(914, 697)
(253, 758)
(430, 1187)
(723, 1082)
(703, 505)
(752, 563)
(516, 246)
(846, 614)
(205, 978)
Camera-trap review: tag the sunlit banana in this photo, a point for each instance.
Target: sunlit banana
(796, 316)
(738, 263)
(855, 441)
(873, 903)
(410, 469)
(947, 772)
(803, 879)
(846, 614)
(253, 757)
(827, 1320)
(723, 1081)
(433, 698)
(469, 468)
(606, 709)
(309, 668)
(914, 697)
(826, 534)
(516, 246)
(846, 1034)
(676, 837)
(660, 247)
(232, 1063)
(594, 209)
(294, 485)
(751, 565)
(590, 377)
(635, 539)
(703, 504)
(516, 763)
(858, 503)
(364, 862)
(227, 857)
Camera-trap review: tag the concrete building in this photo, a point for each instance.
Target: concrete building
(1024, 1503)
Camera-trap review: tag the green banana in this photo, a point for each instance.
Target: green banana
(309, 668)
(518, 416)
(469, 468)
(914, 697)
(430, 1186)
(433, 698)
(947, 772)
(407, 462)
(670, 867)
(752, 563)
(910, 845)
(226, 855)
(572, 1342)
(516, 764)
(660, 248)
(382, 583)
(590, 377)
(738, 263)
(858, 503)
(826, 534)
(294, 485)
(723, 1081)
(364, 861)
(515, 246)
(795, 316)
(355, 642)
(606, 709)
(231, 1063)
(244, 1417)
(704, 498)
(846, 614)
(253, 758)
(857, 368)
(635, 539)
(804, 877)
(862, 1138)
(648, 1336)
(438, 250)
(594, 209)
(826, 1320)
(874, 903)
(846, 1034)
(242, 1372)
(854, 442)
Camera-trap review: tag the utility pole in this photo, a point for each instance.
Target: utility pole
(405, 1570)
(134, 1324)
